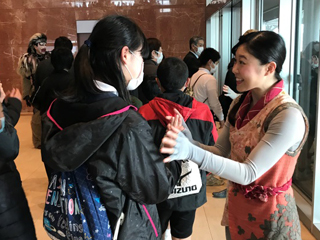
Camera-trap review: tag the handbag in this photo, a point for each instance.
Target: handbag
(73, 212)
(190, 181)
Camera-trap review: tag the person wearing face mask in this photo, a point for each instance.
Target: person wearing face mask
(149, 87)
(205, 84)
(196, 45)
(27, 66)
(94, 124)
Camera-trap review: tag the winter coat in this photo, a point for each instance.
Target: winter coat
(120, 155)
(192, 62)
(199, 120)
(15, 217)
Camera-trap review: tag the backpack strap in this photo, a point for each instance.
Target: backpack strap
(197, 80)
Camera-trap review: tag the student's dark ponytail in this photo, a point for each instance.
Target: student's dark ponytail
(99, 58)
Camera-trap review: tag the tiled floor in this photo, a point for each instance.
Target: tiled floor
(206, 227)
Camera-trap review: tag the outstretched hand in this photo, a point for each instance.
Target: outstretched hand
(169, 142)
(176, 121)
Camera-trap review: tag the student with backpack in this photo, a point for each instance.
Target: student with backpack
(190, 192)
(93, 126)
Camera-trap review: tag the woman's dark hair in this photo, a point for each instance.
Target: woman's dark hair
(61, 58)
(154, 44)
(99, 57)
(207, 54)
(266, 46)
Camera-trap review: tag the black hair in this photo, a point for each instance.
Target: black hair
(63, 42)
(61, 58)
(207, 54)
(172, 73)
(231, 63)
(194, 40)
(99, 58)
(266, 46)
(154, 44)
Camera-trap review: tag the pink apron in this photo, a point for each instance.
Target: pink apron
(265, 209)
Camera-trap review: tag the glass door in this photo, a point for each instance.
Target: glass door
(306, 85)
(270, 16)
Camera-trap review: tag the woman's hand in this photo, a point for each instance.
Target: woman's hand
(176, 144)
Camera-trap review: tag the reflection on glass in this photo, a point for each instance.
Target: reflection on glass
(123, 3)
(218, 1)
(80, 4)
(236, 22)
(306, 95)
(270, 15)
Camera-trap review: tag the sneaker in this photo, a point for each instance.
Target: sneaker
(221, 194)
(213, 181)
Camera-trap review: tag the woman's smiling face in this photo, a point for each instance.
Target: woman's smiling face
(248, 70)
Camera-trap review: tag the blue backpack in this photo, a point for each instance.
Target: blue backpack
(72, 212)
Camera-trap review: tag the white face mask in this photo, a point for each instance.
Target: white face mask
(135, 82)
(314, 62)
(213, 69)
(199, 51)
(160, 57)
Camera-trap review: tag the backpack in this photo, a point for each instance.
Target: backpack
(190, 181)
(72, 212)
(189, 89)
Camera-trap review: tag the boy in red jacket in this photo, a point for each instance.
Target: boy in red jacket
(181, 205)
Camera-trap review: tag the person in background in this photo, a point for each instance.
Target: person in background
(45, 67)
(257, 150)
(15, 217)
(196, 45)
(95, 124)
(173, 79)
(229, 90)
(149, 87)
(58, 81)
(205, 85)
(27, 66)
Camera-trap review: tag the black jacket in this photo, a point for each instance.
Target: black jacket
(120, 155)
(192, 62)
(200, 122)
(15, 217)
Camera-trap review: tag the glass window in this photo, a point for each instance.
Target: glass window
(305, 87)
(270, 15)
(236, 23)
